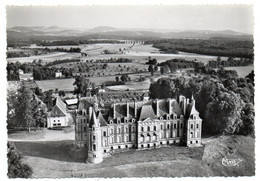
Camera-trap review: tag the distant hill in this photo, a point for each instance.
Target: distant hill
(106, 32)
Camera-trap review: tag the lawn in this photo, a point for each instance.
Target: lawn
(61, 84)
(64, 161)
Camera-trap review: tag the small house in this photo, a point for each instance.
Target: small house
(58, 117)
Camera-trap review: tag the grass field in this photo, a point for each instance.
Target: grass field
(175, 161)
(61, 84)
(242, 71)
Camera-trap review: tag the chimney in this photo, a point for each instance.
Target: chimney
(157, 108)
(90, 112)
(170, 106)
(135, 107)
(127, 109)
(114, 111)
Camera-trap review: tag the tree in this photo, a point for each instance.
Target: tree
(17, 169)
(165, 69)
(248, 115)
(223, 114)
(30, 111)
(151, 69)
(83, 86)
(125, 78)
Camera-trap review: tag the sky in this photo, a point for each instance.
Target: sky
(168, 17)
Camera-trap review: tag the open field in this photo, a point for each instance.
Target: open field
(50, 57)
(174, 161)
(61, 84)
(242, 71)
(137, 52)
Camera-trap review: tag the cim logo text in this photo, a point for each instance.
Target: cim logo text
(230, 162)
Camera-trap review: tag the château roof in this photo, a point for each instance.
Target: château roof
(147, 111)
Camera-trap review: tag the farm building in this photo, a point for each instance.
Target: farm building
(136, 125)
(58, 117)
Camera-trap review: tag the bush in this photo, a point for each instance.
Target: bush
(17, 169)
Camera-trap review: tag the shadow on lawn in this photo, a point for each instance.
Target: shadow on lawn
(55, 150)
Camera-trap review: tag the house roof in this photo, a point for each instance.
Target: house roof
(59, 109)
(71, 101)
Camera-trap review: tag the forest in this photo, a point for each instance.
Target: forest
(213, 46)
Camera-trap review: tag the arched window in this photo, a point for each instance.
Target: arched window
(148, 128)
(191, 134)
(191, 126)
(154, 128)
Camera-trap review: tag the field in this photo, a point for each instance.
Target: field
(242, 71)
(61, 84)
(50, 57)
(137, 52)
(174, 161)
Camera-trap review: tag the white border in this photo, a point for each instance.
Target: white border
(3, 136)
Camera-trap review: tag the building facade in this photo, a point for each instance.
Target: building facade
(137, 125)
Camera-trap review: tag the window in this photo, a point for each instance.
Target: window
(161, 126)
(154, 128)
(119, 130)
(94, 137)
(130, 130)
(148, 128)
(54, 124)
(111, 131)
(126, 129)
(85, 129)
(197, 126)
(174, 125)
(54, 121)
(58, 120)
(142, 129)
(168, 126)
(191, 126)
(94, 147)
(181, 125)
(104, 133)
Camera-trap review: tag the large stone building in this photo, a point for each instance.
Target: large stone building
(138, 124)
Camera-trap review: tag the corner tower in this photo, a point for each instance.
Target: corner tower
(193, 125)
(95, 151)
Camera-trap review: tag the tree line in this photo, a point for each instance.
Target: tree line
(217, 47)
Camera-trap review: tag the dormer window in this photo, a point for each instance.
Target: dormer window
(181, 116)
(126, 120)
(133, 120)
(168, 117)
(84, 112)
(161, 118)
(118, 121)
(111, 121)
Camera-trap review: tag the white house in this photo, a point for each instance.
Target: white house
(58, 117)
(58, 74)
